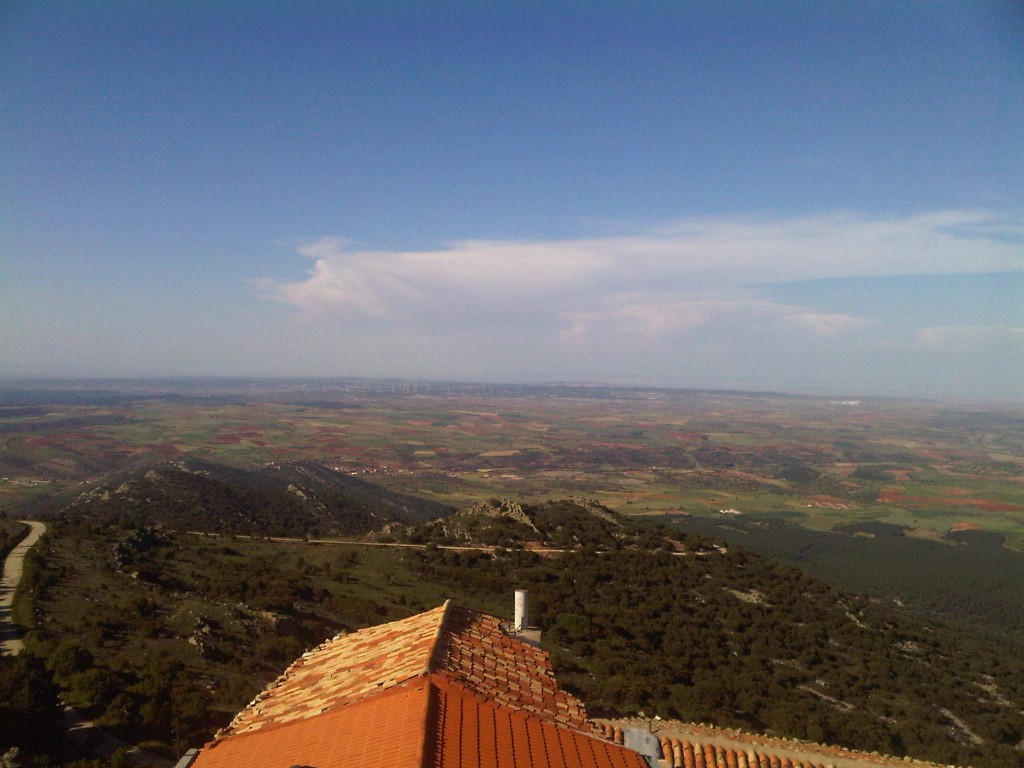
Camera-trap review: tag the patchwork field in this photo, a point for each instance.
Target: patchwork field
(929, 467)
(917, 508)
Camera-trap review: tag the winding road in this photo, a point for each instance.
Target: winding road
(80, 729)
(10, 642)
(401, 545)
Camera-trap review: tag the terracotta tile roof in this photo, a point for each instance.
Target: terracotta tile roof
(477, 652)
(698, 745)
(426, 722)
(469, 730)
(442, 689)
(681, 753)
(383, 730)
(344, 670)
(471, 646)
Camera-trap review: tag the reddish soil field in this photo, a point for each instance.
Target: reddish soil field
(684, 435)
(894, 496)
(965, 527)
(987, 506)
(164, 449)
(890, 495)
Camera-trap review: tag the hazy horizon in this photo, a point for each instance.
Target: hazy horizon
(223, 385)
(808, 198)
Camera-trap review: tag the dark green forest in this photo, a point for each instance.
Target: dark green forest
(736, 640)
(969, 581)
(162, 635)
(286, 499)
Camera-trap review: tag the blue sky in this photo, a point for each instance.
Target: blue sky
(802, 196)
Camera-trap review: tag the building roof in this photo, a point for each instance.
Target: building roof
(445, 688)
(382, 730)
(681, 753)
(344, 670)
(698, 745)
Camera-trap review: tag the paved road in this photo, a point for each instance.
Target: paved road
(399, 545)
(358, 543)
(10, 642)
(80, 730)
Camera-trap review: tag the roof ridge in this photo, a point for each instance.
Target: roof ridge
(435, 645)
(433, 724)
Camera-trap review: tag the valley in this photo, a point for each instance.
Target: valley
(816, 462)
(796, 567)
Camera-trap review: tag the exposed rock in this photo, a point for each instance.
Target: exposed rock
(503, 508)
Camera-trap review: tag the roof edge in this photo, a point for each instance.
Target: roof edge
(427, 755)
(435, 645)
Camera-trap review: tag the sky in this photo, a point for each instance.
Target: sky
(812, 197)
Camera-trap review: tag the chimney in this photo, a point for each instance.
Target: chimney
(522, 615)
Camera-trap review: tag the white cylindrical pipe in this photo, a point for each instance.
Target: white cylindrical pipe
(522, 620)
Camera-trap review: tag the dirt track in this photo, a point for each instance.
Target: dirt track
(10, 643)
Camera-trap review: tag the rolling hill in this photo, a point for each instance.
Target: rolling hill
(281, 499)
(156, 630)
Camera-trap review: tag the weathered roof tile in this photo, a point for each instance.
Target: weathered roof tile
(451, 687)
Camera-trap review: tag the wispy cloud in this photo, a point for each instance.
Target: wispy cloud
(689, 297)
(666, 318)
(972, 337)
(677, 318)
(829, 324)
(668, 268)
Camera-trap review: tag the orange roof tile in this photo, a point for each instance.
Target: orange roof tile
(469, 645)
(344, 670)
(442, 689)
(681, 753)
(347, 736)
(475, 731)
(431, 722)
(475, 650)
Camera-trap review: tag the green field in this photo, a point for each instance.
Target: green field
(817, 462)
(161, 635)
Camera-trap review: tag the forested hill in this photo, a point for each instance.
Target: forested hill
(559, 524)
(967, 579)
(721, 635)
(284, 499)
(158, 630)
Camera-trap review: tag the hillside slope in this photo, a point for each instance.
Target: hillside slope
(966, 579)
(152, 628)
(726, 636)
(284, 499)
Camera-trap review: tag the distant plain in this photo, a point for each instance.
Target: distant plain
(916, 506)
(931, 468)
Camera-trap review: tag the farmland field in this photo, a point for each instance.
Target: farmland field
(916, 508)
(929, 467)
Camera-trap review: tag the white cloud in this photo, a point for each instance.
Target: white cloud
(972, 337)
(667, 267)
(666, 318)
(829, 324)
(465, 275)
